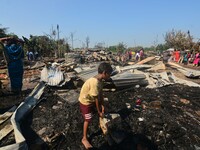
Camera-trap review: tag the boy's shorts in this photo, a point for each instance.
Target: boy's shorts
(87, 111)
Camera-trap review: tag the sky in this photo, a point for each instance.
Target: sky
(132, 22)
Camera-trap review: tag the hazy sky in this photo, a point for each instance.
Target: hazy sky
(133, 22)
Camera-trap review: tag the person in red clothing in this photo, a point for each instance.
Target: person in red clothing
(177, 55)
(197, 59)
(174, 55)
(141, 54)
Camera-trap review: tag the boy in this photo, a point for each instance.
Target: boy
(91, 96)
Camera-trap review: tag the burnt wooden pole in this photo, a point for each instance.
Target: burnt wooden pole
(59, 53)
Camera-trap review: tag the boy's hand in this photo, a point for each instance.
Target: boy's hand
(102, 109)
(101, 114)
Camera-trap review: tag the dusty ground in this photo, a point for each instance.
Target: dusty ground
(172, 123)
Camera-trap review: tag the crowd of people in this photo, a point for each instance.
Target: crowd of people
(129, 55)
(182, 56)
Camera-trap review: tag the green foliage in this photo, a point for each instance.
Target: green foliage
(162, 47)
(3, 32)
(152, 48)
(121, 47)
(46, 46)
(137, 48)
(63, 47)
(112, 49)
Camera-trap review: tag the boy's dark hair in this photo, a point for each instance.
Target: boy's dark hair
(105, 67)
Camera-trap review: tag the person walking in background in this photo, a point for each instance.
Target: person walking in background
(182, 54)
(185, 59)
(192, 57)
(91, 96)
(133, 54)
(130, 55)
(166, 56)
(174, 55)
(141, 54)
(171, 56)
(137, 56)
(177, 55)
(188, 56)
(27, 55)
(14, 55)
(31, 56)
(196, 60)
(36, 55)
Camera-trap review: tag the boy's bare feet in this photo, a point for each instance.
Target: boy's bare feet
(86, 143)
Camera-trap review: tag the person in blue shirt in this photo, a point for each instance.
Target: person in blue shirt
(14, 54)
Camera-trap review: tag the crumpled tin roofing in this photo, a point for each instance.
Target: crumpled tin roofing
(119, 80)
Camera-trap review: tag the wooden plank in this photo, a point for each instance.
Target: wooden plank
(157, 67)
(6, 130)
(192, 116)
(3, 76)
(7, 114)
(4, 71)
(186, 71)
(147, 60)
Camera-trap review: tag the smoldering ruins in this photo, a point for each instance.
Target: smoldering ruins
(47, 115)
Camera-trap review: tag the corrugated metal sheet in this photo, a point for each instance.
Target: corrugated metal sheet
(156, 80)
(128, 79)
(131, 67)
(86, 74)
(52, 76)
(120, 80)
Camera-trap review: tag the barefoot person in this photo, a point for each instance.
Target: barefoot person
(91, 97)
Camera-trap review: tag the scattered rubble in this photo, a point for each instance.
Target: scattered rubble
(167, 116)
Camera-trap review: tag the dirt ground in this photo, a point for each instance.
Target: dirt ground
(168, 118)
